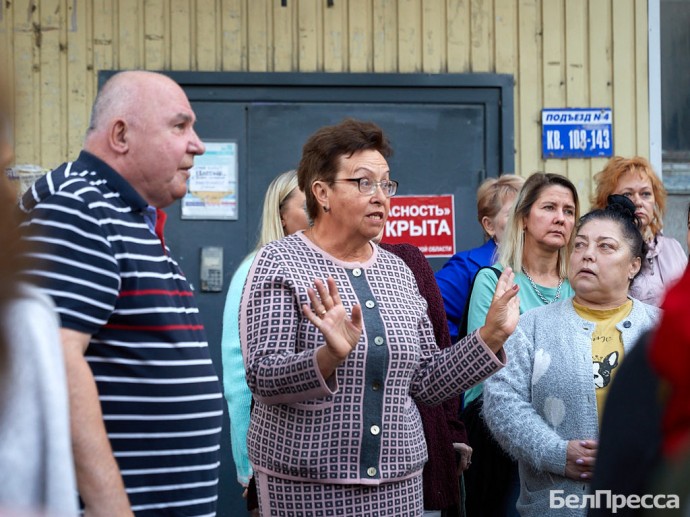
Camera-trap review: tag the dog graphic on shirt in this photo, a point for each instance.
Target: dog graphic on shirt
(602, 370)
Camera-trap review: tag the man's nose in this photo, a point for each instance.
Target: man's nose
(196, 145)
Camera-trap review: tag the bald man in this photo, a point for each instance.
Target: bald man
(145, 400)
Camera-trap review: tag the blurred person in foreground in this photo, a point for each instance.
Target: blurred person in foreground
(283, 214)
(495, 197)
(36, 463)
(335, 370)
(145, 401)
(665, 261)
(545, 407)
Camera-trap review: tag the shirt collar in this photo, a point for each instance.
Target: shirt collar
(88, 161)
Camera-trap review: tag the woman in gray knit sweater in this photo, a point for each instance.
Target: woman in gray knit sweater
(545, 406)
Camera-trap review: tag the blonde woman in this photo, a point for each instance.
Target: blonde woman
(283, 214)
(665, 262)
(536, 245)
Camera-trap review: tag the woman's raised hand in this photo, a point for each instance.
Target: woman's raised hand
(328, 314)
(504, 312)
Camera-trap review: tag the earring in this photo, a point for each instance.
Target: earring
(326, 209)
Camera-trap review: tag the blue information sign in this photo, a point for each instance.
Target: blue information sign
(576, 133)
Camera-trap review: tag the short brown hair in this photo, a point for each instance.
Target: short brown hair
(607, 180)
(322, 152)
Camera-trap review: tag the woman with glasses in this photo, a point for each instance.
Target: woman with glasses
(338, 346)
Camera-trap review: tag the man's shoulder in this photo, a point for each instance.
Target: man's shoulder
(66, 182)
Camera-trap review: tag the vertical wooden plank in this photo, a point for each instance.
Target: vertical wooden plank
(206, 37)
(624, 105)
(257, 36)
(458, 35)
(506, 48)
(577, 70)
(360, 28)
(553, 66)
(284, 38)
(335, 34)
(307, 20)
(506, 43)
(7, 57)
(600, 36)
(385, 27)
(103, 45)
(155, 21)
(641, 79)
(233, 41)
(78, 80)
(180, 35)
(52, 48)
(7, 41)
(481, 36)
(27, 81)
(530, 81)
(434, 57)
(410, 36)
(130, 34)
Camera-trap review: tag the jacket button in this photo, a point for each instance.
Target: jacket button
(627, 324)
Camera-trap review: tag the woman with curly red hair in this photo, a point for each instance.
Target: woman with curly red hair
(665, 260)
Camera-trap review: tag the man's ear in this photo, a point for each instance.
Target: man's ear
(118, 136)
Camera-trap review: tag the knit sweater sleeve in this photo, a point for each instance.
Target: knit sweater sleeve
(235, 387)
(510, 415)
(278, 370)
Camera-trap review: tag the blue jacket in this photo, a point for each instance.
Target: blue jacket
(455, 281)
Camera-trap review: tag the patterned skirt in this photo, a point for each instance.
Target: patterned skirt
(286, 498)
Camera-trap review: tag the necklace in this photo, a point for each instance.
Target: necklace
(539, 293)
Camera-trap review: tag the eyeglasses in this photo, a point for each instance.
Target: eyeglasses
(368, 187)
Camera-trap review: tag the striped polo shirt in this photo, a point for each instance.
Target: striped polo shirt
(113, 278)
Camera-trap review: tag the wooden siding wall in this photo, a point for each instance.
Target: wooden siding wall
(562, 53)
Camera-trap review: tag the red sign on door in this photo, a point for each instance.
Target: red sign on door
(428, 222)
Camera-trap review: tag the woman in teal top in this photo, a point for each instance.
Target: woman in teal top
(283, 214)
(536, 245)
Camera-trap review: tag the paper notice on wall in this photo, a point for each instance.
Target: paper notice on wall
(212, 185)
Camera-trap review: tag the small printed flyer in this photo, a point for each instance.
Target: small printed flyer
(212, 185)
